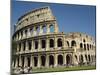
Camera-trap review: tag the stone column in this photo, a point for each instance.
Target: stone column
(47, 44)
(16, 63)
(48, 28)
(17, 47)
(32, 61)
(26, 46)
(34, 31)
(64, 42)
(19, 35)
(47, 60)
(55, 60)
(39, 61)
(39, 45)
(32, 45)
(28, 31)
(41, 30)
(55, 42)
(25, 61)
(20, 61)
(21, 46)
(64, 59)
(24, 34)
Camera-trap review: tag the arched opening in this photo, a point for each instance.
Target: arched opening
(84, 40)
(84, 46)
(35, 61)
(73, 43)
(28, 61)
(81, 59)
(31, 31)
(51, 28)
(29, 45)
(25, 33)
(88, 46)
(81, 45)
(92, 58)
(59, 42)
(68, 59)
(43, 59)
(51, 60)
(43, 44)
(21, 34)
(37, 30)
(67, 43)
(51, 43)
(44, 29)
(86, 57)
(19, 46)
(24, 45)
(36, 44)
(18, 61)
(89, 58)
(22, 61)
(76, 57)
(60, 59)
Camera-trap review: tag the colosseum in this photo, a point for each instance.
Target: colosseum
(41, 45)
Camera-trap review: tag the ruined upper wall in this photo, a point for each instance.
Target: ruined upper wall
(35, 16)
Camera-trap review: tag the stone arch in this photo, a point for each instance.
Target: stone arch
(81, 59)
(73, 43)
(24, 45)
(22, 58)
(29, 45)
(88, 46)
(44, 29)
(81, 45)
(31, 31)
(51, 43)
(28, 61)
(86, 57)
(89, 58)
(43, 43)
(35, 61)
(51, 60)
(84, 40)
(76, 57)
(60, 60)
(19, 46)
(36, 44)
(68, 59)
(59, 42)
(18, 61)
(43, 60)
(21, 34)
(25, 33)
(67, 43)
(37, 30)
(51, 28)
(84, 46)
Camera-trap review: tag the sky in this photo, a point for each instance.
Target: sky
(70, 18)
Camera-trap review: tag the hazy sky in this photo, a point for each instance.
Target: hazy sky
(70, 18)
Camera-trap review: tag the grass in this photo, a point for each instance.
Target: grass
(59, 69)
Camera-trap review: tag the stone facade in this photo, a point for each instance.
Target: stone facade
(40, 44)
